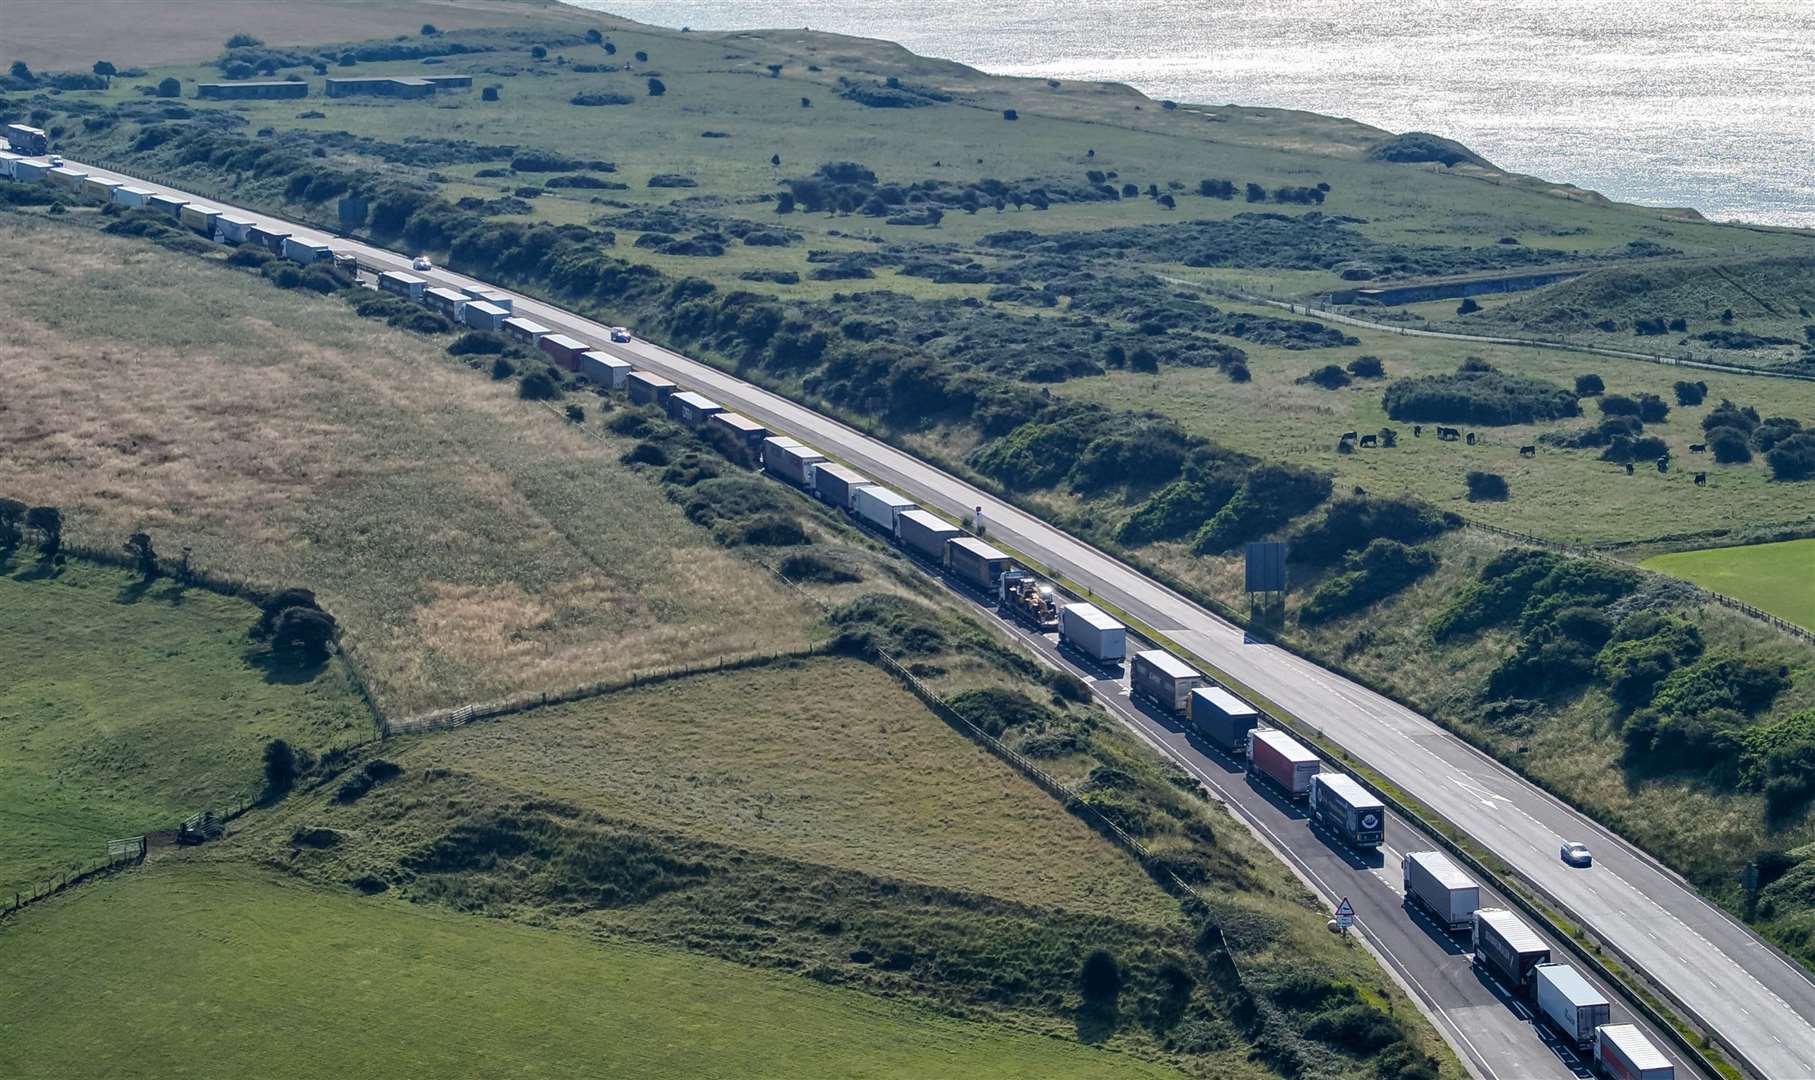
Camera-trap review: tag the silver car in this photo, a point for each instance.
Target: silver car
(1576, 853)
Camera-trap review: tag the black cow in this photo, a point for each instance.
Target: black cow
(1370, 440)
(1417, 431)
(1701, 478)
(1629, 468)
(1698, 447)
(1345, 435)
(1448, 433)
(1663, 463)
(1528, 451)
(1471, 438)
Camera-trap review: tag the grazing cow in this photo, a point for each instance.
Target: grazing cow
(1698, 447)
(1663, 463)
(1346, 435)
(1629, 468)
(1370, 440)
(1471, 438)
(1448, 433)
(1528, 451)
(1701, 478)
(1417, 431)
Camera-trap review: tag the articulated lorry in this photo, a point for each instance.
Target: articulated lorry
(1283, 760)
(1434, 883)
(1089, 630)
(1569, 1002)
(1222, 718)
(1345, 808)
(1507, 947)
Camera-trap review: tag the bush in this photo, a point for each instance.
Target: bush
(1480, 397)
(770, 530)
(1372, 574)
(997, 709)
(478, 343)
(502, 369)
(1729, 446)
(1357, 1029)
(1329, 376)
(1722, 682)
(169, 88)
(1644, 649)
(1690, 393)
(1350, 523)
(1367, 367)
(1100, 979)
(1270, 496)
(1468, 306)
(657, 88)
(1486, 486)
(1589, 385)
(596, 99)
(537, 386)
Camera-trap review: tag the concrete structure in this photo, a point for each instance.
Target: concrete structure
(1282, 759)
(166, 204)
(1090, 630)
(975, 562)
(67, 178)
(692, 409)
(524, 330)
(878, 506)
(563, 350)
(647, 389)
(306, 251)
(382, 86)
(742, 428)
(600, 367)
(230, 229)
(925, 533)
(99, 188)
(481, 315)
(240, 91)
(835, 484)
(405, 285)
(1163, 679)
(1221, 718)
(1446, 892)
(1344, 807)
(198, 217)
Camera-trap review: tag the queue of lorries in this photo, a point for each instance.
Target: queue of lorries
(1502, 943)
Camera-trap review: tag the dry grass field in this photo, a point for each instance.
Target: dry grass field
(472, 545)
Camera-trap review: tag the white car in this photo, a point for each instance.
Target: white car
(620, 334)
(421, 262)
(1576, 853)
(56, 161)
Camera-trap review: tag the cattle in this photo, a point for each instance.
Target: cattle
(1663, 463)
(1701, 478)
(1370, 440)
(1417, 431)
(1629, 468)
(1528, 451)
(1448, 433)
(1471, 438)
(1346, 435)
(1698, 447)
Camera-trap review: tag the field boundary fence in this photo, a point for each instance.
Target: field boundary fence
(1708, 595)
(120, 854)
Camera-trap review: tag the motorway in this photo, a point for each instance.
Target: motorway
(1758, 1003)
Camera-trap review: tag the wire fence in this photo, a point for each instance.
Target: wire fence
(120, 854)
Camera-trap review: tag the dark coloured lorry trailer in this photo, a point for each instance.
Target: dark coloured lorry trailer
(1163, 679)
(1507, 947)
(1222, 718)
(1345, 807)
(1281, 759)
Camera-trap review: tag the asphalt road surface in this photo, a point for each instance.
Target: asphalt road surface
(1716, 968)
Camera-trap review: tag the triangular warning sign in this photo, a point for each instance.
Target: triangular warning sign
(1345, 910)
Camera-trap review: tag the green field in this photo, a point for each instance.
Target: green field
(471, 546)
(124, 708)
(1780, 577)
(236, 973)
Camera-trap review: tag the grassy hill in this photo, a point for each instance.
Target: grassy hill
(1780, 577)
(126, 706)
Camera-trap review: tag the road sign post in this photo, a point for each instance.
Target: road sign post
(1345, 916)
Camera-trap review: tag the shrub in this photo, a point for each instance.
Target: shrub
(1367, 367)
(1352, 522)
(1644, 649)
(1100, 979)
(1358, 1029)
(1690, 393)
(997, 709)
(1793, 458)
(1372, 574)
(1468, 306)
(243, 41)
(169, 88)
(1329, 376)
(1270, 496)
(489, 93)
(1729, 446)
(770, 530)
(1722, 682)
(1589, 385)
(280, 767)
(478, 343)
(1486, 486)
(596, 99)
(537, 386)
(657, 87)
(1481, 397)
(502, 369)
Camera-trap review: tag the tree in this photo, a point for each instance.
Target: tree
(169, 87)
(610, 49)
(489, 93)
(1486, 486)
(21, 72)
(642, 57)
(502, 369)
(1690, 393)
(303, 635)
(1367, 367)
(47, 522)
(539, 52)
(1168, 201)
(243, 41)
(280, 767)
(1589, 385)
(1255, 193)
(144, 556)
(657, 87)
(593, 35)
(105, 68)
(428, 30)
(775, 159)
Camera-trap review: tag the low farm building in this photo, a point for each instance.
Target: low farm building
(383, 86)
(229, 91)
